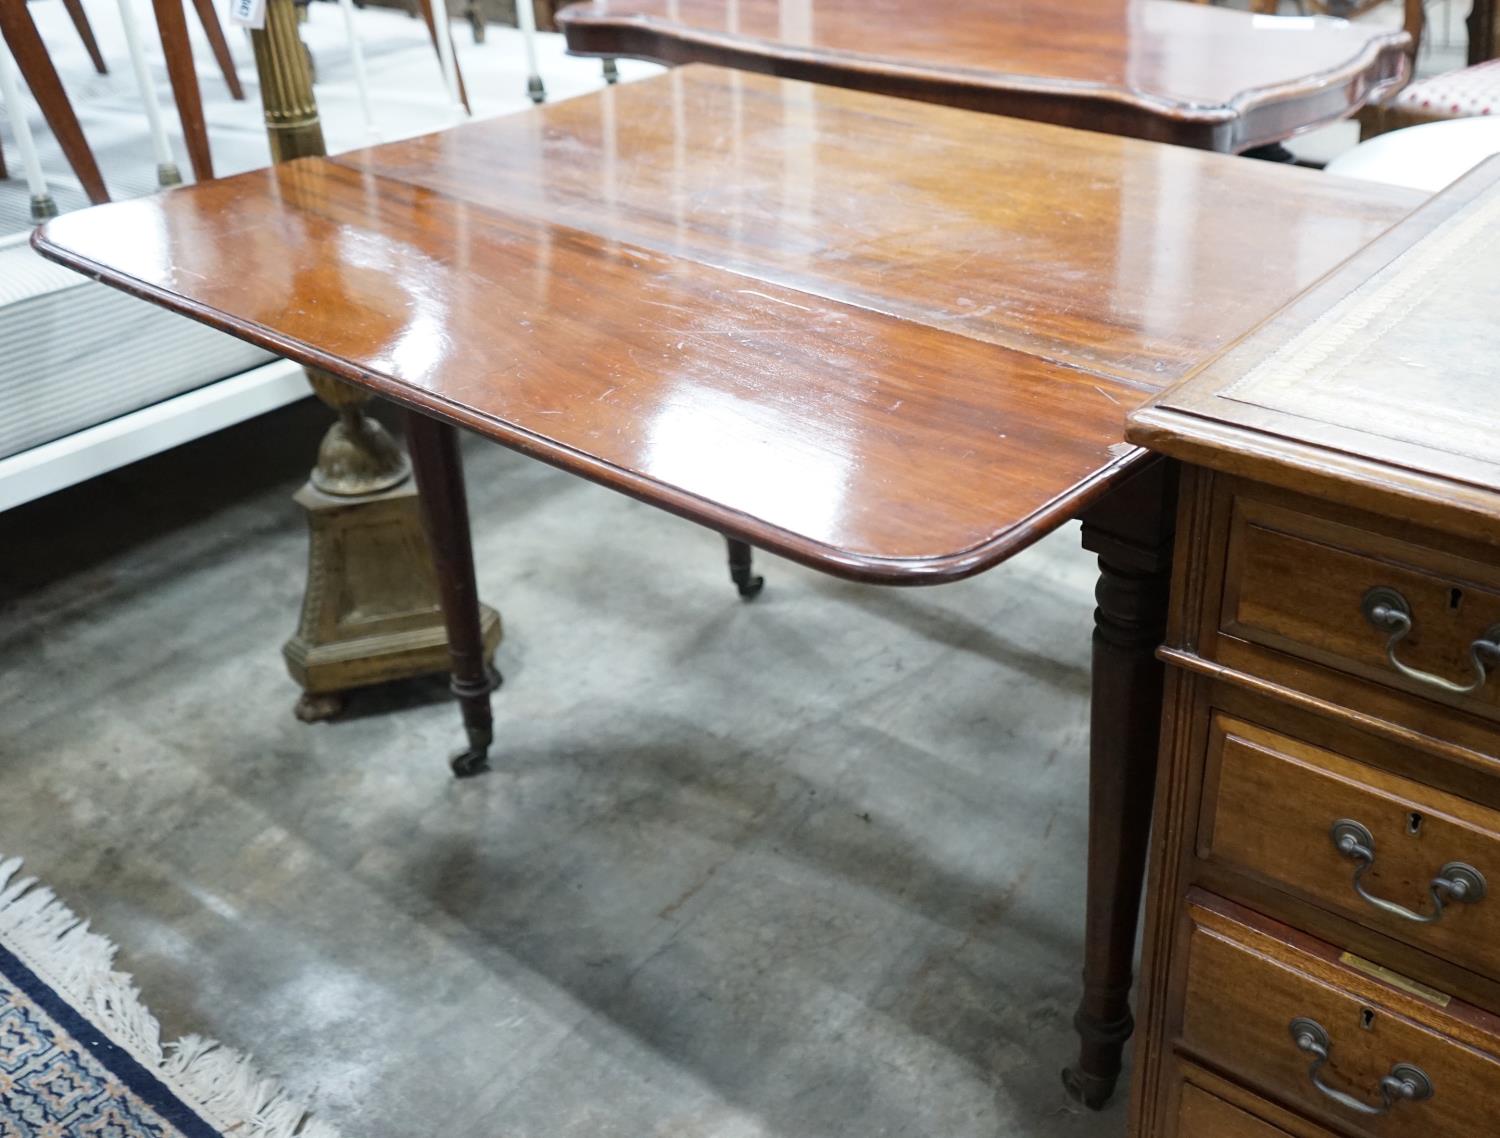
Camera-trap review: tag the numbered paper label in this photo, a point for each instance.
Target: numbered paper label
(248, 13)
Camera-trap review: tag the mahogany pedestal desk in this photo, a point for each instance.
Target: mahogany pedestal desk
(1190, 74)
(893, 341)
(1323, 945)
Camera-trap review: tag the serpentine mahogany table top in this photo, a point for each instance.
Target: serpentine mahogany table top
(892, 340)
(1191, 74)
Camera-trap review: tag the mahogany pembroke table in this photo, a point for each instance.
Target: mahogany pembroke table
(893, 341)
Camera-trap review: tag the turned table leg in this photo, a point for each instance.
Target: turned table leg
(1131, 531)
(438, 466)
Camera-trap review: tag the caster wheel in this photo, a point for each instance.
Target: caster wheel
(467, 764)
(1093, 1091)
(535, 91)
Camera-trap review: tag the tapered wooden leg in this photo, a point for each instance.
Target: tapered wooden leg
(432, 32)
(445, 515)
(80, 20)
(36, 69)
(741, 569)
(208, 16)
(178, 50)
(1131, 531)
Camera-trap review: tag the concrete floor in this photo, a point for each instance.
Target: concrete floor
(808, 867)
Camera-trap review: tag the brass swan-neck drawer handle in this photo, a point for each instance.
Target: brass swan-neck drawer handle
(1456, 881)
(1389, 612)
(1406, 1082)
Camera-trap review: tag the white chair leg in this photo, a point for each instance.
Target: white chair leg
(526, 21)
(361, 79)
(167, 173)
(445, 55)
(42, 205)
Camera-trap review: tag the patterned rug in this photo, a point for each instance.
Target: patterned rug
(81, 1057)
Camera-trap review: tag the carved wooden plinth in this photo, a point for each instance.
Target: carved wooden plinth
(372, 611)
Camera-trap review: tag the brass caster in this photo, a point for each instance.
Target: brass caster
(466, 764)
(315, 707)
(474, 760)
(741, 570)
(1093, 1091)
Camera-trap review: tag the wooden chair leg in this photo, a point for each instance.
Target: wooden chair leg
(432, 31)
(208, 16)
(438, 466)
(1131, 531)
(178, 50)
(25, 44)
(80, 20)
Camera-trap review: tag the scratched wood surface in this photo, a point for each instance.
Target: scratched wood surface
(893, 340)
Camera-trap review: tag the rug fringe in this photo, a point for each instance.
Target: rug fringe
(216, 1081)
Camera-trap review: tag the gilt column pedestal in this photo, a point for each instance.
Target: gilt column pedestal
(371, 612)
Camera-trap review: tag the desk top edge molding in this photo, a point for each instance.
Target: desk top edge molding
(865, 568)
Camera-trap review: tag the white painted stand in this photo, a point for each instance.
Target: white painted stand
(119, 442)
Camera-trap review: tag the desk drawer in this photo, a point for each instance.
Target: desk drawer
(1203, 1115)
(1387, 610)
(1272, 806)
(1250, 980)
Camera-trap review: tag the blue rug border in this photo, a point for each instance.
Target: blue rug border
(115, 1059)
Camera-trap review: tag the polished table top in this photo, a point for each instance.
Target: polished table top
(892, 340)
(1171, 71)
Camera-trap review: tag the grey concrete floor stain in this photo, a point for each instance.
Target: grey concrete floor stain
(810, 867)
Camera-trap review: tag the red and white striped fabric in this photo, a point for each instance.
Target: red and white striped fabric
(1458, 94)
